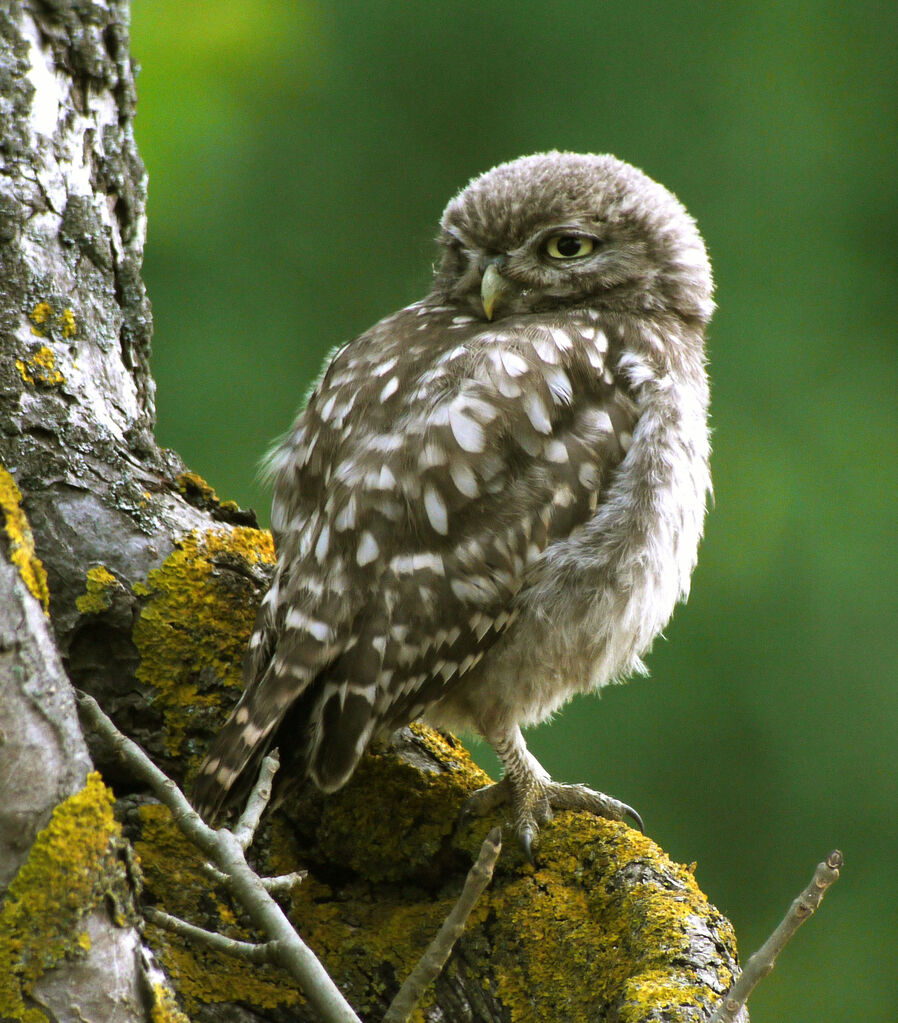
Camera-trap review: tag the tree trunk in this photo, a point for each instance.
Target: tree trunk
(151, 585)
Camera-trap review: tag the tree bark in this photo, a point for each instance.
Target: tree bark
(151, 585)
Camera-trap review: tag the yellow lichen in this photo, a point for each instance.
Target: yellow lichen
(164, 1008)
(21, 540)
(67, 323)
(40, 368)
(192, 485)
(40, 317)
(625, 935)
(72, 868)
(195, 621)
(97, 597)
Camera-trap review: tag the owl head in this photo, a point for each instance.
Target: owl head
(566, 229)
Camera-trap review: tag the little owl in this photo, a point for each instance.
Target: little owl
(494, 497)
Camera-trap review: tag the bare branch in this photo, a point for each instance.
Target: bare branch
(763, 961)
(245, 829)
(434, 959)
(227, 854)
(248, 950)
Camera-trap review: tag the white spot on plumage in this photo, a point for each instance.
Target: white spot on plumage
(464, 479)
(385, 367)
(406, 564)
(431, 456)
(446, 668)
(555, 451)
(390, 388)
(468, 432)
(626, 440)
(467, 663)
(473, 589)
(324, 539)
(595, 358)
(563, 497)
(298, 619)
(559, 385)
(598, 421)
(452, 354)
(545, 349)
(537, 413)
(328, 407)
(386, 442)
(508, 388)
(346, 516)
(588, 475)
(481, 624)
(512, 363)
(385, 479)
(435, 507)
(367, 550)
(561, 339)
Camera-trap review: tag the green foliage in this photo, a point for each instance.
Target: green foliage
(300, 155)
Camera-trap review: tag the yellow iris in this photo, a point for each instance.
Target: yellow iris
(569, 246)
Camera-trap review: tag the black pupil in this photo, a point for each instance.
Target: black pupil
(569, 245)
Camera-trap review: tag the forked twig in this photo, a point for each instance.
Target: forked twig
(763, 961)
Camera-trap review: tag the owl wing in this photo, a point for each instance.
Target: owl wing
(435, 463)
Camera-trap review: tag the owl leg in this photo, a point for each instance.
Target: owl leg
(527, 786)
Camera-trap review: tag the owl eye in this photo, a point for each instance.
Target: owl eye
(569, 246)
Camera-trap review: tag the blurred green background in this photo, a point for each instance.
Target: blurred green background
(300, 155)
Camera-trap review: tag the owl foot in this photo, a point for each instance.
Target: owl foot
(535, 806)
(533, 796)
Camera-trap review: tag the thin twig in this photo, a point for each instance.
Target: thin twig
(277, 883)
(763, 961)
(250, 950)
(226, 853)
(434, 959)
(284, 882)
(245, 829)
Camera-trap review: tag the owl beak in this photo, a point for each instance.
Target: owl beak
(492, 288)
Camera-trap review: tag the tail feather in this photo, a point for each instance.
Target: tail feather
(231, 765)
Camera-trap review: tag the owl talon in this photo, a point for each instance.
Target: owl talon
(525, 839)
(635, 817)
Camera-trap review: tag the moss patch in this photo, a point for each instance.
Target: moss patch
(21, 540)
(199, 608)
(73, 867)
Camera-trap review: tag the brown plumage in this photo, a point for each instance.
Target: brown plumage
(494, 497)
